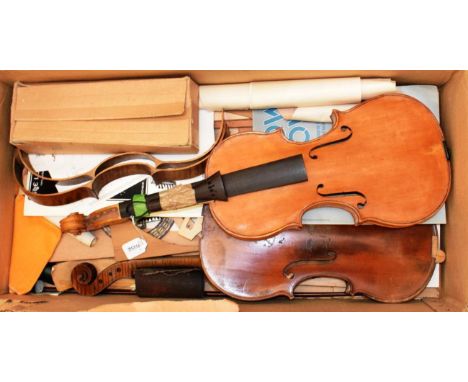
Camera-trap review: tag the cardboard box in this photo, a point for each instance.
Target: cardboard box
(453, 86)
(150, 115)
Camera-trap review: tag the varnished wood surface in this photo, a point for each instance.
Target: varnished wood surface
(77, 223)
(61, 272)
(387, 265)
(383, 161)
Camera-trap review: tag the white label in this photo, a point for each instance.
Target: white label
(134, 248)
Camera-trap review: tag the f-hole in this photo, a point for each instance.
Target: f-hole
(360, 205)
(345, 129)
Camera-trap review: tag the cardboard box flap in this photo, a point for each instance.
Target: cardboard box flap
(101, 100)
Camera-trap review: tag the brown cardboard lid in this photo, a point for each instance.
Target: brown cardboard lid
(100, 100)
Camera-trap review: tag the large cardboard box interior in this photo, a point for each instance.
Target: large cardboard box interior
(453, 86)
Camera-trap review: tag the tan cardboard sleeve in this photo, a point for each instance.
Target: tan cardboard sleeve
(153, 115)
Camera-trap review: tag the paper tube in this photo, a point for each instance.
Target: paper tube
(292, 93)
(374, 87)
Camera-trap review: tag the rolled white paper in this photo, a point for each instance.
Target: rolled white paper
(224, 97)
(377, 86)
(299, 93)
(292, 93)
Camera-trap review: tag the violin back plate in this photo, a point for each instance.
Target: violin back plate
(387, 265)
(384, 161)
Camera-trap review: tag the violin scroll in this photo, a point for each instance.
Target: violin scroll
(83, 274)
(74, 223)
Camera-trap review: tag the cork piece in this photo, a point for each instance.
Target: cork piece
(178, 197)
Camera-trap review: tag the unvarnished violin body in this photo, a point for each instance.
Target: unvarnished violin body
(387, 265)
(384, 161)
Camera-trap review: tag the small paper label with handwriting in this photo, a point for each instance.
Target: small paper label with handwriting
(134, 248)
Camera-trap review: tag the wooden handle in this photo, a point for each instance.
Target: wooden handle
(87, 282)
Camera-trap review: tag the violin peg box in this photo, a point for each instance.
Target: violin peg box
(148, 115)
(169, 282)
